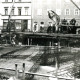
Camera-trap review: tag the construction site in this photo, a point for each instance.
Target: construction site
(39, 63)
(33, 50)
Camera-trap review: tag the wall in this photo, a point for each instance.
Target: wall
(58, 6)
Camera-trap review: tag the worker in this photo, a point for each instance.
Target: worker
(73, 21)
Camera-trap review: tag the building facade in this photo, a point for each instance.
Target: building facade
(64, 8)
(19, 13)
(29, 15)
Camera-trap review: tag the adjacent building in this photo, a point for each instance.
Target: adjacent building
(19, 13)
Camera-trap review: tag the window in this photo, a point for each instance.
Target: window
(6, 11)
(58, 11)
(6, 0)
(5, 23)
(39, 12)
(35, 27)
(26, 10)
(19, 11)
(12, 12)
(67, 12)
(76, 12)
(18, 24)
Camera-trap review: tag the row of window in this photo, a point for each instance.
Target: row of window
(58, 11)
(67, 11)
(19, 11)
(39, 11)
(16, 23)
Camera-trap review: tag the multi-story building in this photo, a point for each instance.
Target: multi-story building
(26, 13)
(64, 8)
(19, 12)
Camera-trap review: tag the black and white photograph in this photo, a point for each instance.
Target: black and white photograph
(39, 39)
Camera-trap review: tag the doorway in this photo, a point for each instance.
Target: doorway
(24, 25)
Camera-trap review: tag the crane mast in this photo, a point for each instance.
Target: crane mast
(75, 4)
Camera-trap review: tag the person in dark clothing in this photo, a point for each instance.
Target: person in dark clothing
(42, 27)
(64, 21)
(53, 28)
(74, 30)
(73, 21)
(49, 29)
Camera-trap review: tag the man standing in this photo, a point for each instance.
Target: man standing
(35, 27)
(42, 27)
(73, 21)
(64, 21)
(49, 30)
